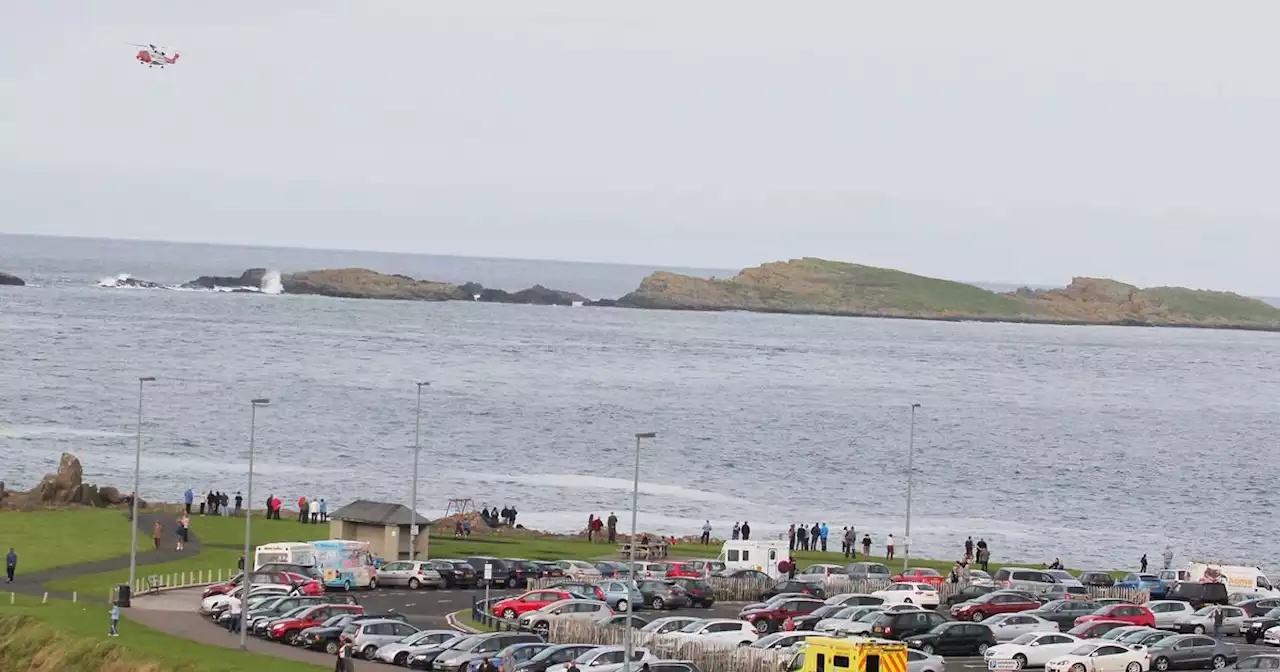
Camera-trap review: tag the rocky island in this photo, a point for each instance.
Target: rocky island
(6, 279)
(817, 286)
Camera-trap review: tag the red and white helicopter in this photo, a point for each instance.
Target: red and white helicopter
(152, 55)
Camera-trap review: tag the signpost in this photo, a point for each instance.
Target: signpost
(488, 579)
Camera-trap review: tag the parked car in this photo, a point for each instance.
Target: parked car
(1198, 594)
(288, 628)
(1064, 577)
(968, 593)
(746, 575)
(504, 573)
(857, 625)
(842, 620)
(977, 577)
(1097, 579)
(1130, 614)
(581, 589)
(548, 569)
(609, 570)
(1060, 591)
(524, 570)
(664, 625)
(293, 581)
(1064, 612)
(823, 571)
(1201, 621)
(324, 637)
(904, 624)
(810, 620)
(539, 620)
(923, 594)
(811, 588)
(579, 570)
(215, 603)
(1020, 578)
(512, 655)
(414, 575)
(455, 573)
(992, 604)
(920, 575)
(1096, 629)
(552, 655)
(700, 592)
(854, 600)
(1008, 627)
(618, 594)
(1190, 652)
(1258, 606)
(513, 607)
(718, 633)
(783, 640)
(479, 647)
(397, 652)
(1254, 626)
(694, 569)
(956, 638)
(1140, 581)
(308, 571)
(770, 618)
(868, 571)
(1145, 637)
(604, 658)
(366, 636)
(1117, 634)
(662, 594)
(1169, 612)
(1033, 649)
(1099, 657)
(625, 620)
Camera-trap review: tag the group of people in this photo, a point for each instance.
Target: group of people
(804, 538)
(742, 531)
(981, 553)
(496, 518)
(213, 503)
(309, 510)
(596, 525)
(1167, 556)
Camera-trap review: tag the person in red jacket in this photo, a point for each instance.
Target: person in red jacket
(302, 509)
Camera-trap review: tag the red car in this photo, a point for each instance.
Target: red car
(530, 601)
(286, 629)
(693, 569)
(1133, 614)
(305, 585)
(990, 604)
(920, 575)
(1095, 629)
(259, 578)
(770, 617)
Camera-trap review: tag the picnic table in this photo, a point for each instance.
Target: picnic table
(657, 549)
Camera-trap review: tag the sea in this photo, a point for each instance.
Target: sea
(1094, 445)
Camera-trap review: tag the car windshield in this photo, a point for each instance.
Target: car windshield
(692, 627)
(1165, 643)
(768, 640)
(1024, 639)
(1205, 611)
(1274, 613)
(295, 612)
(1083, 650)
(870, 617)
(469, 643)
(848, 612)
(665, 624)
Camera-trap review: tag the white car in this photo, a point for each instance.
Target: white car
(665, 626)
(919, 661)
(539, 620)
(1272, 636)
(909, 593)
(398, 653)
(579, 570)
(651, 570)
(981, 579)
(215, 603)
(783, 640)
(862, 626)
(720, 633)
(853, 600)
(1064, 577)
(1008, 627)
(1100, 657)
(843, 618)
(1169, 612)
(603, 659)
(1034, 649)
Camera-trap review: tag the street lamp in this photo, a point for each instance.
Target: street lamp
(911, 451)
(417, 447)
(631, 570)
(137, 475)
(247, 571)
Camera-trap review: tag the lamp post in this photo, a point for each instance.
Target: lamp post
(137, 477)
(911, 451)
(417, 447)
(631, 568)
(247, 572)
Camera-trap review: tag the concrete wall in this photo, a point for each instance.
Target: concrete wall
(390, 542)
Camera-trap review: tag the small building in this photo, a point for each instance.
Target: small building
(385, 526)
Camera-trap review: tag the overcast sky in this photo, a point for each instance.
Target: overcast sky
(1018, 141)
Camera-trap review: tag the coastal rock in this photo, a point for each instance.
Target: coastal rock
(250, 278)
(362, 283)
(13, 280)
(535, 295)
(66, 487)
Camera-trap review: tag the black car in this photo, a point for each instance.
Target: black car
(1253, 626)
(1097, 579)
(553, 655)
(904, 624)
(324, 637)
(969, 593)
(475, 645)
(954, 639)
(1065, 612)
(548, 569)
(809, 588)
(1259, 605)
(745, 575)
(701, 594)
(525, 570)
(504, 573)
(455, 573)
(808, 621)
(1198, 594)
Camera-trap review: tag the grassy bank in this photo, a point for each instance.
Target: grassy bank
(58, 538)
(65, 637)
(210, 560)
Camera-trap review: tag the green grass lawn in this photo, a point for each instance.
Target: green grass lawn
(229, 530)
(76, 633)
(48, 539)
(209, 560)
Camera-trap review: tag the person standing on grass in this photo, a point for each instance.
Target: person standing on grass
(888, 547)
(155, 534)
(613, 527)
(11, 564)
(825, 531)
(791, 537)
(115, 621)
(866, 546)
(746, 531)
(188, 497)
(706, 532)
(239, 502)
(324, 511)
(184, 524)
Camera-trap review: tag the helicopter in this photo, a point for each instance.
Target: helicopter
(152, 55)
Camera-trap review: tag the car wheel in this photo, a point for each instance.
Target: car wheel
(1199, 630)
(622, 605)
(658, 604)
(928, 649)
(509, 613)
(400, 658)
(982, 648)
(346, 585)
(1077, 668)
(369, 651)
(290, 637)
(331, 647)
(1020, 660)
(906, 600)
(742, 644)
(977, 616)
(542, 628)
(373, 583)
(1135, 666)
(1219, 662)
(764, 626)
(414, 584)
(1161, 664)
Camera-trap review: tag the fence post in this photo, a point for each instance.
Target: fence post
(12, 597)
(73, 597)
(45, 599)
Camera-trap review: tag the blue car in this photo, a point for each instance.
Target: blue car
(1147, 582)
(511, 657)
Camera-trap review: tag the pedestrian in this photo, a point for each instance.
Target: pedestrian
(315, 511)
(276, 505)
(706, 532)
(513, 516)
(188, 497)
(737, 530)
(888, 547)
(824, 532)
(968, 549)
(155, 533)
(802, 537)
(324, 511)
(226, 504)
(1142, 564)
(11, 564)
(233, 614)
(487, 666)
(466, 527)
(115, 621)
(1168, 557)
(302, 509)
(613, 528)
(591, 525)
(791, 537)
(1218, 617)
(746, 531)
(984, 554)
(239, 502)
(240, 563)
(183, 526)
(270, 508)
(204, 501)
(866, 547)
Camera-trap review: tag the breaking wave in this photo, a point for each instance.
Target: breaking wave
(271, 284)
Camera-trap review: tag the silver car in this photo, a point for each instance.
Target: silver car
(617, 597)
(540, 620)
(367, 636)
(397, 653)
(1169, 612)
(1201, 621)
(415, 575)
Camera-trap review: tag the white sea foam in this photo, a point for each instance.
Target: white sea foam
(30, 431)
(271, 283)
(579, 482)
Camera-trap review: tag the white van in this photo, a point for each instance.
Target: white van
(761, 555)
(286, 552)
(1239, 579)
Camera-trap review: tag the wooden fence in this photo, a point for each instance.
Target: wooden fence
(707, 658)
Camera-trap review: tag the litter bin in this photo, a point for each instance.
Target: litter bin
(123, 594)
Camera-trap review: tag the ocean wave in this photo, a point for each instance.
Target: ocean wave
(32, 431)
(580, 482)
(271, 284)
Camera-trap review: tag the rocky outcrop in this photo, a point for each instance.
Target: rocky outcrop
(250, 278)
(13, 280)
(535, 295)
(362, 283)
(66, 487)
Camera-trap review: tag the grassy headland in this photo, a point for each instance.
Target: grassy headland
(63, 537)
